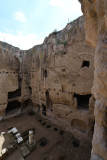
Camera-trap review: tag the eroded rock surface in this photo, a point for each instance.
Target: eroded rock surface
(62, 77)
(95, 12)
(56, 76)
(14, 83)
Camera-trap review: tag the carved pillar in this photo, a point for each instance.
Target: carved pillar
(31, 138)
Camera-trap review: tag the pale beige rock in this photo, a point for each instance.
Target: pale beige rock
(95, 13)
(57, 76)
(63, 66)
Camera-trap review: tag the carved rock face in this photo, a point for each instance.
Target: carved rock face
(95, 12)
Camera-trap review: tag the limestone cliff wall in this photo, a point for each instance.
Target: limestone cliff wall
(62, 71)
(9, 66)
(95, 12)
(56, 75)
(13, 84)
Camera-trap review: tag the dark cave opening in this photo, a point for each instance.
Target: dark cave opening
(47, 98)
(48, 126)
(47, 93)
(75, 142)
(14, 94)
(49, 103)
(85, 64)
(43, 142)
(43, 109)
(17, 92)
(82, 101)
(55, 129)
(13, 107)
(45, 73)
(30, 90)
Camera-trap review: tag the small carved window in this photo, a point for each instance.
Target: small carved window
(45, 73)
(85, 64)
(63, 88)
(63, 70)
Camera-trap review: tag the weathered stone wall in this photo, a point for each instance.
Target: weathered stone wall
(57, 76)
(95, 12)
(62, 74)
(13, 81)
(9, 66)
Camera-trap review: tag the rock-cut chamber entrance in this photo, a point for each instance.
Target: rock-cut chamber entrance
(82, 101)
(43, 109)
(12, 107)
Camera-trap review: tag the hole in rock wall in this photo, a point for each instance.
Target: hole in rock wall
(48, 100)
(43, 124)
(43, 142)
(48, 126)
(63, 70)
(14, 94)
(47, 93)
(55, 129)
(61, 132)
(79, 125)
(45, 73)
(85, 64)
(91, 124)
(82, 101)
(17, 92)
(13, 107)
(30, 90)
(92, 129)
(43, 109)
(75, 142)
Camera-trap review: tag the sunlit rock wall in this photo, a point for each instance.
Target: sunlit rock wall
(9, 68)
(14, 80)
(62, 77)
(57, 76)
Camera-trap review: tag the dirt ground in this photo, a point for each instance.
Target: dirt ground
(60, 145)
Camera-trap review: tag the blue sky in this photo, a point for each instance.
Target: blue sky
(25, 23)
